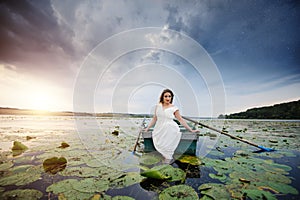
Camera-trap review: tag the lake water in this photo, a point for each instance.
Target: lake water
(101, 165)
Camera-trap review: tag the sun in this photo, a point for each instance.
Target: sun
(41, 100)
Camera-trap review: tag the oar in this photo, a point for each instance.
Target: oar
(232, 136)
(139, 135)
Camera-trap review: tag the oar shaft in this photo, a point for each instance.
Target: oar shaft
(139, 135)
(222, 132)
(137, 141)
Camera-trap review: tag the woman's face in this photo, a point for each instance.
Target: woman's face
(167, 97)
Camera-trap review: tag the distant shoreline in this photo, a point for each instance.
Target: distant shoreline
(17, 111)
(288, 110)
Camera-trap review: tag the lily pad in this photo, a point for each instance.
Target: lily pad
(90, 185)
(55, 164)
(165, 172)
(178, 192)
(61, 186)
(29, 137)
(149, 159)
(214, 190)
(156, 173)
(258, 194)
(5, 166)
(220, 177)
(64, 145)
(192, 160)
(81, 172)
(27, 176)
(18, 148)
(20, 194)
(126, 180)
(280, 187)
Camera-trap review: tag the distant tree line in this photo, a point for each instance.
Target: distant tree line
(290, 110)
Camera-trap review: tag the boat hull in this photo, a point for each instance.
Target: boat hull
(187, 144)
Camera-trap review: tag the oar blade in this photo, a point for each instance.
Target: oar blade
(266, 148)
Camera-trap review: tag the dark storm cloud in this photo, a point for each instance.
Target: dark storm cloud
(262, 35)
(31, 26)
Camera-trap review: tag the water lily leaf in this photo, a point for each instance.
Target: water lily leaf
(74, 195)
(156, 173)
(206, 198)
(258, 194)
(90, 185)
(176, 174)
(220, 177)
(64, 145)
(65, 189)
(126, 180)
(19, 146)
(27, 176)
(165, 172)
(55, 164)
(280, 187)
(214, 191)
(61, 186)
(21, 168)
(29, 137)
(149, 159)
(17, 152)
(22, 194)
(192, 160)
(5, 166)
(178, 192)
(81, 172)
(281, 166)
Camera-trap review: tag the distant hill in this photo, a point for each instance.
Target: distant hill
(290, 110)
(17, 111)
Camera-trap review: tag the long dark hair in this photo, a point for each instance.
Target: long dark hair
(161, 98)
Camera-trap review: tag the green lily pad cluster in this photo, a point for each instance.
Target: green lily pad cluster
(21, 175)
(20, 194)
(87, 187)
(108, 164)
(244, 176)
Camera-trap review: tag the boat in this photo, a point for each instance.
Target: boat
(187, 144)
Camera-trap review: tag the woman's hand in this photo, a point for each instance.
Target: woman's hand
(145, 129)
(195, 131)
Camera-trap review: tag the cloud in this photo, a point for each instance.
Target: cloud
(51, 40)
(27, 27)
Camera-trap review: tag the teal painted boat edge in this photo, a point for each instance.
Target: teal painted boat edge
(187, 144)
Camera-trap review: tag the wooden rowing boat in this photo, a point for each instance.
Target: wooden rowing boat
(187, 144)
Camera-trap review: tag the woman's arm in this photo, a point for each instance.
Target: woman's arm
(183, 122)
(152, 122)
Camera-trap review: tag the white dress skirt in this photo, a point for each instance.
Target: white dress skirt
(166, 133)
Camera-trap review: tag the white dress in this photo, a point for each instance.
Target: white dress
(166, 134)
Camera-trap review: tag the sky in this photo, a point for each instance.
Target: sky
(217, 56)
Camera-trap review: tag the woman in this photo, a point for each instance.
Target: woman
(166, 134)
